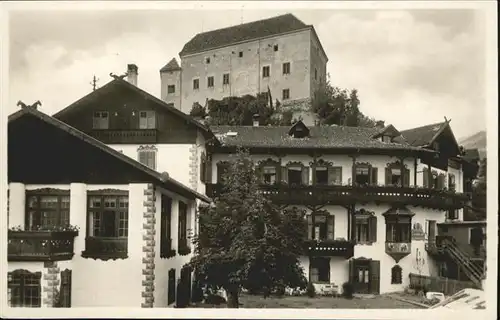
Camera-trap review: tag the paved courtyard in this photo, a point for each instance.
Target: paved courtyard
(302, 302)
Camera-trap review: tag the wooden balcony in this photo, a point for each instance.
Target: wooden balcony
(330, 248)
(104, 248)
(398, 250)
(345, 195)
(126, 136)
(40, 245)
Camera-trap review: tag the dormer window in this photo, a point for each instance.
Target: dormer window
(386, 139)
(299, 130)
(387, 134)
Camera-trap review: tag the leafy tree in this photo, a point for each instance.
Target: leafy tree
(245, 241)
(198, 111)
(334, 105)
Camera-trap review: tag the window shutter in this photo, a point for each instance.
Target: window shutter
(143, 157)
(425, 173)
(208, 170)
(351, 271)
(143, 122)
(309, 227)
(330, 227)
(406, 177)
(284, 175)
(372, 224)
(258, 174)
(374, 177)
(374, 276)
(334, 175)
(441, 181)
(152, 155)
(387, 176)
(305, 175)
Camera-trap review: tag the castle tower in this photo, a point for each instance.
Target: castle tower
(171, 83)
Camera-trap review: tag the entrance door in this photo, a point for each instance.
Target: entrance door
(362, 278)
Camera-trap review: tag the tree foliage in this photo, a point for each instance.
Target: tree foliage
(198, 111)
(245, 241)
(334, 105)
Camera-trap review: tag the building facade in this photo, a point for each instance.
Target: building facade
(280, 54)
(375, 203)
(83, 211)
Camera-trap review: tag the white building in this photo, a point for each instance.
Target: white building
(89, 226)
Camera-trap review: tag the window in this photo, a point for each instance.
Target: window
(265, 72)
(46, 211)
(321, 175)
(210, 82)
(326, 175)
(396, 275)
(365, 228)
(203, 168)
(315, 74)
(269, 174)
(182, 235)
(147, 120)
(171, 88)
(398, 231)
(321, 226)
(24, 289)
(225, 78)
(286, 68)
(365, 175)
(286, 94)
(207, 60)
(395, 177)
(477, 236)
(147, 156)
(65, 289)
(295, 175)
(319, 269)
(222, 169)
(108, 216)
(100, 120)
(452, 214)
(240, 54)
(451, 182)
(166, 237)
(275, 47)
(196, 84)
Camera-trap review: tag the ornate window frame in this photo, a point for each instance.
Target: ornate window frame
(269, 162)
(371, 171)
(148, 149)
(396, 274)
(405, 173)
(370, 217)
(20, 275)
(34, 210)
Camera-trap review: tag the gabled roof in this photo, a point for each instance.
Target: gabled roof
(243, 32)
(171, 66)
(125, 84)
(389, 130)
(423, 136)
(320, 137)
(164, 181)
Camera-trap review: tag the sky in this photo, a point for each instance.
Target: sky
(410, 67)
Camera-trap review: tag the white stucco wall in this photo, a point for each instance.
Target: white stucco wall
(172, 158)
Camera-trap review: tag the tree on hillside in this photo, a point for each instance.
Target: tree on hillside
(334, 105)
(245, 241)
(198, 111)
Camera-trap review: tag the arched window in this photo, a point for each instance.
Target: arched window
(396, 275)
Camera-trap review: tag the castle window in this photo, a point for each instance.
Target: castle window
(210, 82)
(171, 89)
(207, 60)
(265, 72)
(196, 84)
(24, 289)
(225, 78)
(286, 68)
(286, 94)
(396, 275)
(240, 54)
(275, 47)
(100, 120)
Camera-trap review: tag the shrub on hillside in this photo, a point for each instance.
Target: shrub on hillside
(310, 290)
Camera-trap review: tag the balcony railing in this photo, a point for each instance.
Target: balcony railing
(105, 248)
(344, 195)
(40, 245)
(398, 250)
(126, 136)
(330, 248)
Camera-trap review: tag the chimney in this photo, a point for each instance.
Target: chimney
(256, 120)
(132, 74)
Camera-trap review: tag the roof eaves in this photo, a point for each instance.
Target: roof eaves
(98, 144)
